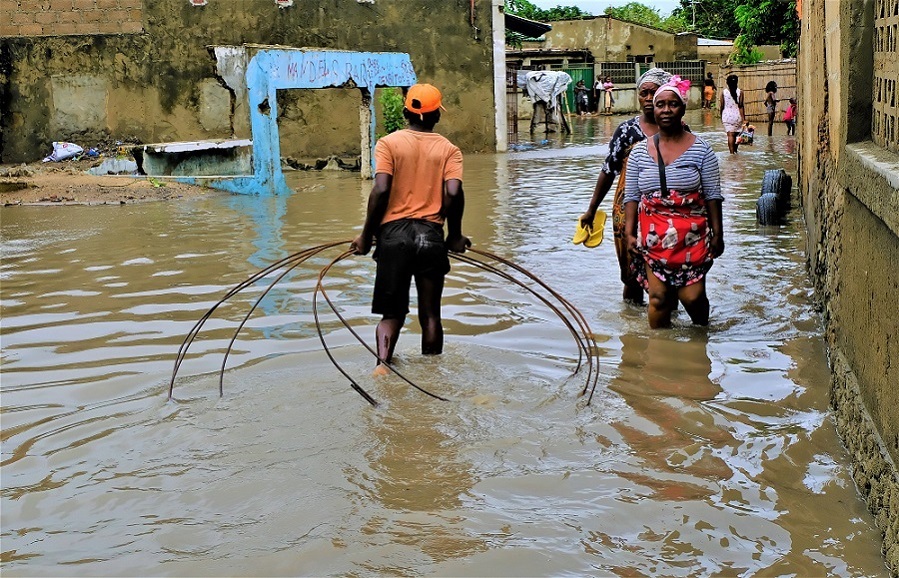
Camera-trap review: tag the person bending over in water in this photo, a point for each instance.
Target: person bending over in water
(418, 187)
(673, 192)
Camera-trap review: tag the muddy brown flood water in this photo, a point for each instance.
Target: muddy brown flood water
(705, 451)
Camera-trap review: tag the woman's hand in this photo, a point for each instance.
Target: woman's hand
(717, 246)
(632, 246)
(587, 219)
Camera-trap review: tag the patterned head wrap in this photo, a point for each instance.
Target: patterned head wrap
(656, 76)
(677, 86)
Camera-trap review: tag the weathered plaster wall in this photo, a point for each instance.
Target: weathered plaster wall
(160, 85)
(611, 40)
(850, 189)
(61, 17)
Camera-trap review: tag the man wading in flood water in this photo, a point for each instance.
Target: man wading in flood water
(418, 186)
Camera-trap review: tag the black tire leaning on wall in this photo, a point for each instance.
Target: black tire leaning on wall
(766, 212)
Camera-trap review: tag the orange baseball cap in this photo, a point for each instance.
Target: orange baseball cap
(422, 98)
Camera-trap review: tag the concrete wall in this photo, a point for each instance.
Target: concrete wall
(158, 83)
(850, 192)
(611, 40)
(42, 17)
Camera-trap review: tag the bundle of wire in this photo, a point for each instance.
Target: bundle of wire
(488, 262)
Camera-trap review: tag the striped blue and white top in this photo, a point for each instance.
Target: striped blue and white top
(695, 170)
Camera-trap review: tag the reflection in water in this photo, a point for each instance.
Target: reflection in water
(418, 479)
(705, 452)
(666, 382)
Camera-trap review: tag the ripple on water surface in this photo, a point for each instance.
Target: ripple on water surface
(705, 451)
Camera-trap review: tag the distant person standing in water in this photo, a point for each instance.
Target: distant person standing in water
(418, 187)
(771, 104)
(708, 91)
(628, 133)
(608, 100)
(732, 115)
(581, 100)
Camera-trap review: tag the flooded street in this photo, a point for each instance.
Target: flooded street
(704, 452)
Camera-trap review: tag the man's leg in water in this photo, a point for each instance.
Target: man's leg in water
(386, 335)
(430, 293)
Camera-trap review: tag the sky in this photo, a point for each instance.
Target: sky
(599, 6)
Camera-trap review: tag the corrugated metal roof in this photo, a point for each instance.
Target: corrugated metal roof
(525, 27)
(713, 42)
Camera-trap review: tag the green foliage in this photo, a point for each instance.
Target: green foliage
(637, 13)
(769, 22)
(647, 16)
(527, 10)
(675, 23)
(757, 21)
(391, 100)
(709, 18)
(744, 52)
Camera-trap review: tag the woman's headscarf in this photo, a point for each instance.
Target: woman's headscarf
(656, 76)
(676, 86)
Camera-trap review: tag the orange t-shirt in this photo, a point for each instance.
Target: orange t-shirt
(420, 162)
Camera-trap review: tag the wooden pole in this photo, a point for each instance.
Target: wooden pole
(564, 116)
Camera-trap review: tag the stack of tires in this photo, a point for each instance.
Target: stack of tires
(774, 202)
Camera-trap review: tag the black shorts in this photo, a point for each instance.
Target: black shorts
(406, 248)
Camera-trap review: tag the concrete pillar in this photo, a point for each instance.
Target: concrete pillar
(499, 76)
(367, 132)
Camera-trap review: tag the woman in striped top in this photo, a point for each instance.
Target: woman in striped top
(676, 201)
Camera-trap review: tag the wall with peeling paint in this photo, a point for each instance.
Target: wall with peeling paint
(612, 40)
(160, 85)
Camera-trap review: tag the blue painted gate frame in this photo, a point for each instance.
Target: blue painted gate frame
(271, 70)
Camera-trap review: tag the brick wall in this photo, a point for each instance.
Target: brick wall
(68, 17)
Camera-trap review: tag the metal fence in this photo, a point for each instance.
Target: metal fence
(621, 72)
(512, 98)
(693, 70)
(629, 72)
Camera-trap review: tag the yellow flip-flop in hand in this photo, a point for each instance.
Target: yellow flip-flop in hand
(591, 235)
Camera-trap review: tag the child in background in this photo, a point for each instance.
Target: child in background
(790, 117)
(608, 100)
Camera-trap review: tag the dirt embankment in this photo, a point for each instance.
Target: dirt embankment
(68, 183)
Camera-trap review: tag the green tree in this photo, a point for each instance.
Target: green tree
(757, 21)
(769, 22)
(391, 100)
(642, 14)
(637, 13)
(744, 52)
(528, 10)
(710, 18)
(674, 23)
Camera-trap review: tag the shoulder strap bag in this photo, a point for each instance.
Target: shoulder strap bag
(662, 182)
